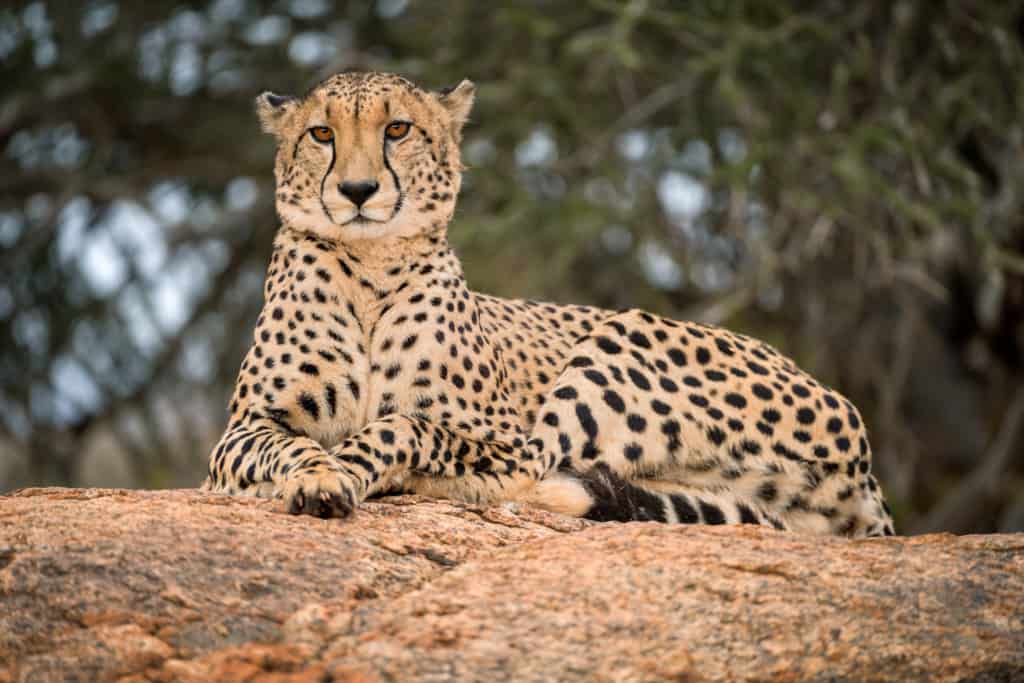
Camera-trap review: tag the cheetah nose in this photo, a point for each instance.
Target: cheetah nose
(359, 191)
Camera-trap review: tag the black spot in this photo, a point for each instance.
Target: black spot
(805, 416)
(762, 392)
(802, 436)
(331, 396)
(551, 419)
(596, 377)
(660, 407)
(670, 428)
(767, 491)
(798, 503)
(639, 379)
(387, 436)
(698, 400)
(820, 451)
(843, 444)
(751, 447)
(639, 340)
(409, 342)
(771, 415)
(636, 423)
(587, 421)
(633, 452)
(786, 453)
(668, 385)
(735, 400)
(716, 435)
(747, 515)
(703, 355)
(834, 425)
(580, 362)
(712, 513)
(565, 393)
(831, 401)
(757, 368)
(715, 375)
(853, 420)
(684, 511)
(614, 401)
(677, 356)
(607, 345)
(800, 390)
(309, 369)
(309, 404)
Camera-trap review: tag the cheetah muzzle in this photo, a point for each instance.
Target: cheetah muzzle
(375, 369)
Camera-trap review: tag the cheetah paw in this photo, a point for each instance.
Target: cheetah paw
(323, 492)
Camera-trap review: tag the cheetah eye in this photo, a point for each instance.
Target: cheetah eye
(321, 133)
(397, 130)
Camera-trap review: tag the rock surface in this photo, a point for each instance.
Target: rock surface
(112, 585)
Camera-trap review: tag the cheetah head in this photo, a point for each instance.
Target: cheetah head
(367, 155)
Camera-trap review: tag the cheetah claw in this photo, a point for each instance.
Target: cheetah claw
(323, 493)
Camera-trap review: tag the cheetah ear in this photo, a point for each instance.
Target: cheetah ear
(274, 110)
(458, 101)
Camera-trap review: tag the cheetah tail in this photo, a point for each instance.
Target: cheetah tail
(611, 498)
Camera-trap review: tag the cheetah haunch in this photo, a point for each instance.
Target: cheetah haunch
(375, 369)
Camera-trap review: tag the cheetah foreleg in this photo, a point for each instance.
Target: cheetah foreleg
(259, 458)
(434, 460)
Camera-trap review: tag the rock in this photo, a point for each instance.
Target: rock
(114, 585)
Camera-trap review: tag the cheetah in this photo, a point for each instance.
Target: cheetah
(374, 369)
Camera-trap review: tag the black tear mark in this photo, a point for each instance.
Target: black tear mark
(394, 178)
(330, 167)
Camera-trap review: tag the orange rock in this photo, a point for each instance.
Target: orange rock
(112, 585)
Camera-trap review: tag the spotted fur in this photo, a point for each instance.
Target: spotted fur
(374, 368)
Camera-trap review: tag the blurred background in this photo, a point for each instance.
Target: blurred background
(843, 179)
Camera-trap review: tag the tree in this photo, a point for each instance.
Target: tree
(843, 181)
